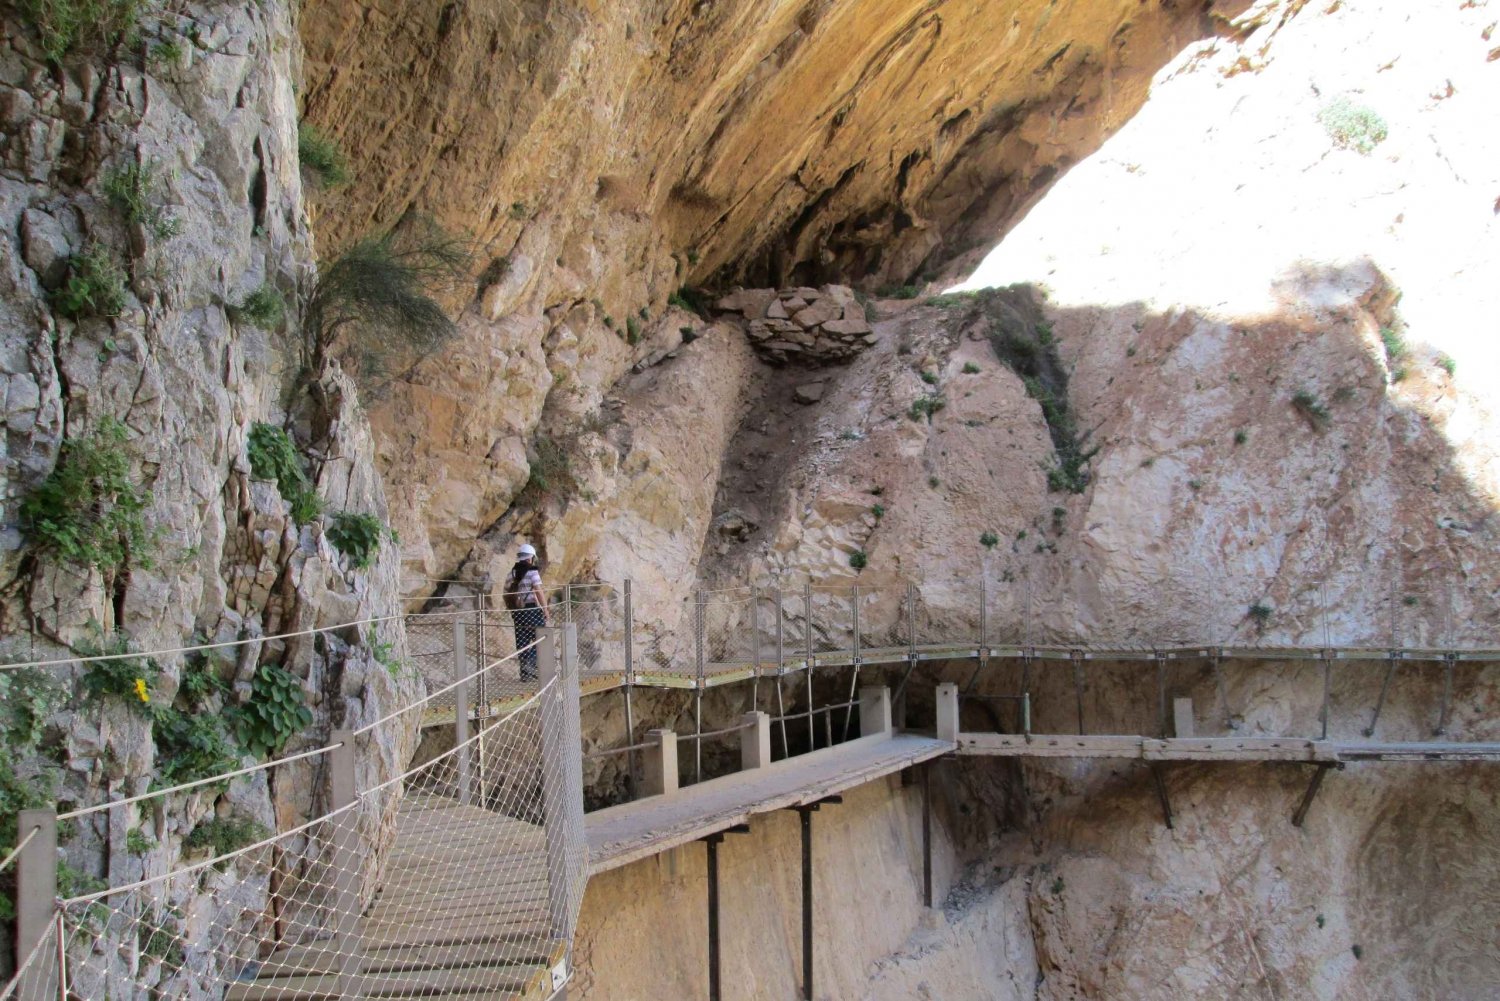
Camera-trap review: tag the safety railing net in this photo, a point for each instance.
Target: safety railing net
(461, 877)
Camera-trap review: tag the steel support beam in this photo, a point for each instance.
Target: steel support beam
(1160, 780)
(805, 813)
(1312, 791)
(711, 843)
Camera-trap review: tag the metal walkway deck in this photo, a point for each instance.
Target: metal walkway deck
(623, 834)
(442, 925)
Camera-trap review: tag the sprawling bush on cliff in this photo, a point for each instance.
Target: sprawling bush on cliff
(380, 300)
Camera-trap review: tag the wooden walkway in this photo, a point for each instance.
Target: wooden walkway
(623, 834)
(442, 925)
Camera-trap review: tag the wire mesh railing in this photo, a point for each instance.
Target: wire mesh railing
(464, 875)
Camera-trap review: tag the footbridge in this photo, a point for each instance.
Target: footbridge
(376, 895)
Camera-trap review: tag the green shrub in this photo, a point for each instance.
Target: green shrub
(1044, 334)
(859, 559)
(321, 156)
(925, 407)
(1352, 126)
(90, 511)
(518, 210)
(136, 842)
(929, 377)
(950, 300)
(1310, 407)
(264, 308)
(193, 745)
(692, 256)
(1260, 613)
(878, 511)
(899, 292)
(133, 190)
(1447, 364)
(633, 331)
(384, 654)
(933, 482)
(385, 290)
(159, 934)
(275, 712)
(1240, 437)
(224, 835)
(95, 285)
(66, 26)
(970, 368)
(131, 679)
(200, 679)
(989, 540)
(1395, 344)
(165, 56)
(274, 457)
(357, 536)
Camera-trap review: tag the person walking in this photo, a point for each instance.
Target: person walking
(527, 603)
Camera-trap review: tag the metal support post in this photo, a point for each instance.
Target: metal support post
(924, 771)
(807, 630)
(568, 604)
(1392, 657)
(1161, 694)
(1312, 791)
(1026, 713)
(805, 815)
(1450, 660)
(1077, 656)
(346, 862)
(1161, 793)
(697, 735)
(461, 713)
(630, 758)
(480, 689)
(562, 771)
(700, 604)
(711, 843)
(983, 601)
(786, 751)
(853, 677)
(36, 904)
(1327, 659)
(755, 646)
(1026, 655)
(1215, 657)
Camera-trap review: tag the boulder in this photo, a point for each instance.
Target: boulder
(809, 393)
(818, 313)
(847, 326)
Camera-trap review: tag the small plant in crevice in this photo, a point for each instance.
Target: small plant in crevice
(273, 456)
(275, 712)
(1312, 409)
(1240, 437)
(264, 308)
(137, 843)
(934, 482)
(1321, 920)
(878, 511)
(859, 559)
(90, 510)
(164, 57)
(1352, 126)
(193, 745)
(925, 406)
(929, 377)
(1394, 344)
(899, 292)
(159, 936)
(632, 331)
(95, 285)
(1057, 886)
(1260, 614)
(385, 654)
(220, 836)
(133, 189)
(989, 540)
(321, 157)
(129, 679)
(1357, 950)
(357, 536)
(517, 211)
(1447, 364)
(970, 368)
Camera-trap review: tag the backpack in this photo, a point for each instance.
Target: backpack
(512, 596)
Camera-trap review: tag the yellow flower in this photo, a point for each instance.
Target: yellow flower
(140, 689)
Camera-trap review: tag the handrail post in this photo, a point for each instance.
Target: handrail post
(36, 903)
(983, 601)
(461, 709)
(874, 711)
(755, 645)
(562, 771)
(659, 769)
(947, 711)
(780, 668)
(807, 636)
(346, 863)
(755, 741)
(700, 606)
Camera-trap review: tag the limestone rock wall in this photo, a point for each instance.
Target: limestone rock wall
(605, 154)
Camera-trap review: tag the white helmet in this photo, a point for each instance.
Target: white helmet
(527, 551)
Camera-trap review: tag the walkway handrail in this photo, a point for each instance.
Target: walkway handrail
(445, 689)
